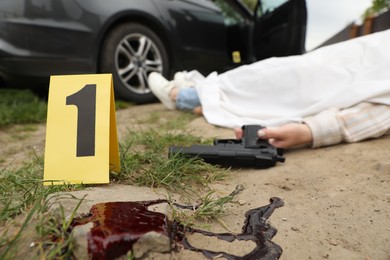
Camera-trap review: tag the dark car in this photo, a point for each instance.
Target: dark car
(132, 38)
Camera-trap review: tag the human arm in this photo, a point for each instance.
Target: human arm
(332, 126)
(285, 136)
(353, 124)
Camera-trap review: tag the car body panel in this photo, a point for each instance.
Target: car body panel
(39, 38)
(199, 32)
(280, 28)
(74, 38)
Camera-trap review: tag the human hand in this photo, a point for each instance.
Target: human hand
(285, 136)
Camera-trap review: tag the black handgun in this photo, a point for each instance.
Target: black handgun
(249, 151)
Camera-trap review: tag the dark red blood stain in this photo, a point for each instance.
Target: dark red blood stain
(118, 225)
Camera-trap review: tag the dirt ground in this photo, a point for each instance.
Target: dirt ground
(337, 199)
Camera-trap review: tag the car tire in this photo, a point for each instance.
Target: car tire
(131, 51)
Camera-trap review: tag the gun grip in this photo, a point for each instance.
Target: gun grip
(251, 140)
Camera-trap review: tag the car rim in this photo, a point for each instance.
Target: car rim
(135, 58)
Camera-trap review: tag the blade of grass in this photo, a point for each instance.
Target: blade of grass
(12, 244)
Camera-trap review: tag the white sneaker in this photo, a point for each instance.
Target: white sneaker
(161, 88)
(181, 80)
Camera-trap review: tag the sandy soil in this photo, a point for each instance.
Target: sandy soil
(337, 199)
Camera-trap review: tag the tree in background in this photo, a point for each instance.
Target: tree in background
(377, 7)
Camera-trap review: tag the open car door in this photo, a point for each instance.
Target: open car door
(280, 28)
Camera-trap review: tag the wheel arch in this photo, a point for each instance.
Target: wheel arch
(147, 20)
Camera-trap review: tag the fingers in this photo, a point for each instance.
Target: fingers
(267, 133)
(285, 136)
(238, 132)
(274, 136)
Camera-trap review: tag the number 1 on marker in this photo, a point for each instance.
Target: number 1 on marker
(85, 101)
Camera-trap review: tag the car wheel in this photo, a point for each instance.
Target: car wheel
(131, 52)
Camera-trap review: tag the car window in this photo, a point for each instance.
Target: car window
(250, 4)
(231, 16)
(270, 5)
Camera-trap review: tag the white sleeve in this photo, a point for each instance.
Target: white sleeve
(353, 124)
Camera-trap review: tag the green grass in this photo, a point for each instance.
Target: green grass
(23, 187)
(209, 208)
(22, 192)
(54, 237)
(144, 162)
(21, 107)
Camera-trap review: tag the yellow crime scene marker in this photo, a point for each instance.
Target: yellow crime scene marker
(81, 135)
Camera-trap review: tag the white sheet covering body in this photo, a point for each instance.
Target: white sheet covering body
(275, 91)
